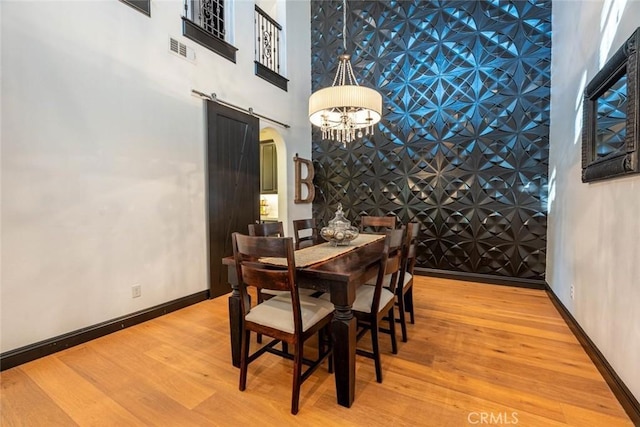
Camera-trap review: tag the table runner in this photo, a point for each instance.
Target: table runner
(324, 251)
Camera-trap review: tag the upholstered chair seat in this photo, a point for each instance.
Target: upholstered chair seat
(386, 282)
(364, 298)
(276, 312)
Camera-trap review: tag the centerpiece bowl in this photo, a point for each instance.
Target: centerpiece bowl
(339, 232)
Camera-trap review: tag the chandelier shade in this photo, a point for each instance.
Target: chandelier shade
(328, 106)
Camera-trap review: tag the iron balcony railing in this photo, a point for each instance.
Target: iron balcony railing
(267, 40)
(207, 14)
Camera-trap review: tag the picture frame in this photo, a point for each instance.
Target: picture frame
(611, 122)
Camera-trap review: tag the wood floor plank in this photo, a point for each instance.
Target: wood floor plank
(476, 350)
(475, 393)
(511, 348)
(460, 315)
(24, 403)
(524, 377)
(80, 399)
(171, 381)
(147, 399)
(578, 416)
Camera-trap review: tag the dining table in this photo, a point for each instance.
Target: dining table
(338, 271)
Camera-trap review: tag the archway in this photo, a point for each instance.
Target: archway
(277, 202)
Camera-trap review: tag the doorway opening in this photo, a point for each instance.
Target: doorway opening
(273, 176)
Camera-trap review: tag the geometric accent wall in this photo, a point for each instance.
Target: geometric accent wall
(463, 143)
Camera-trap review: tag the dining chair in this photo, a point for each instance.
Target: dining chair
(293, 318)
(373, 304)
(404, 288)
(377, 224)
(268, 229)
(271, 229)
(404, 283)
(304, 225)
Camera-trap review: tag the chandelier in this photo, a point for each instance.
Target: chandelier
(345, 109)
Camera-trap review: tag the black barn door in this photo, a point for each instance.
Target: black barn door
(233, 169)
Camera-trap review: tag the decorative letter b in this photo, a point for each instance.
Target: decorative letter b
(308, 181)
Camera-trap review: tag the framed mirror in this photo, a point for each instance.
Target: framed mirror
(611, 125)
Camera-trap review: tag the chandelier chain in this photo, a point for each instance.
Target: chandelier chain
(337, 78)
(344, 25)
(352, 77)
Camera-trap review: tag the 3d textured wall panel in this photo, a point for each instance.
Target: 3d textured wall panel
(463, 143)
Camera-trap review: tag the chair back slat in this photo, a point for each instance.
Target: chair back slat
(267, 229)
(261, 246)
(264, 278)
(303, 225)
(377, 223)
(412, 251)
(413, 230)
(396, 239)
(409, 250)
(393, 265)
(390, 263)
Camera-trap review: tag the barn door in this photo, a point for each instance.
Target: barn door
(233, 177)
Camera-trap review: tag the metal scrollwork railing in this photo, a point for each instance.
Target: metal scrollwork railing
(207, 14)
(267, 32)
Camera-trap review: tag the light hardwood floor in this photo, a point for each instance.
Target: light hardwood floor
(478, 355)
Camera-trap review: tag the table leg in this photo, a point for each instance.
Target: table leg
(343, 329)
(235, 323)
(235, 317)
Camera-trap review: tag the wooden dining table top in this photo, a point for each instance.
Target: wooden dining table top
(346, 267)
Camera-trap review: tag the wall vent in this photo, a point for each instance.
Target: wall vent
(182, 49)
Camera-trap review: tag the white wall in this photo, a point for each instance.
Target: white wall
(103, 155)
(594, 229)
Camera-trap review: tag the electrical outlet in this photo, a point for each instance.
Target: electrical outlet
(573, 292)
(136, 291)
